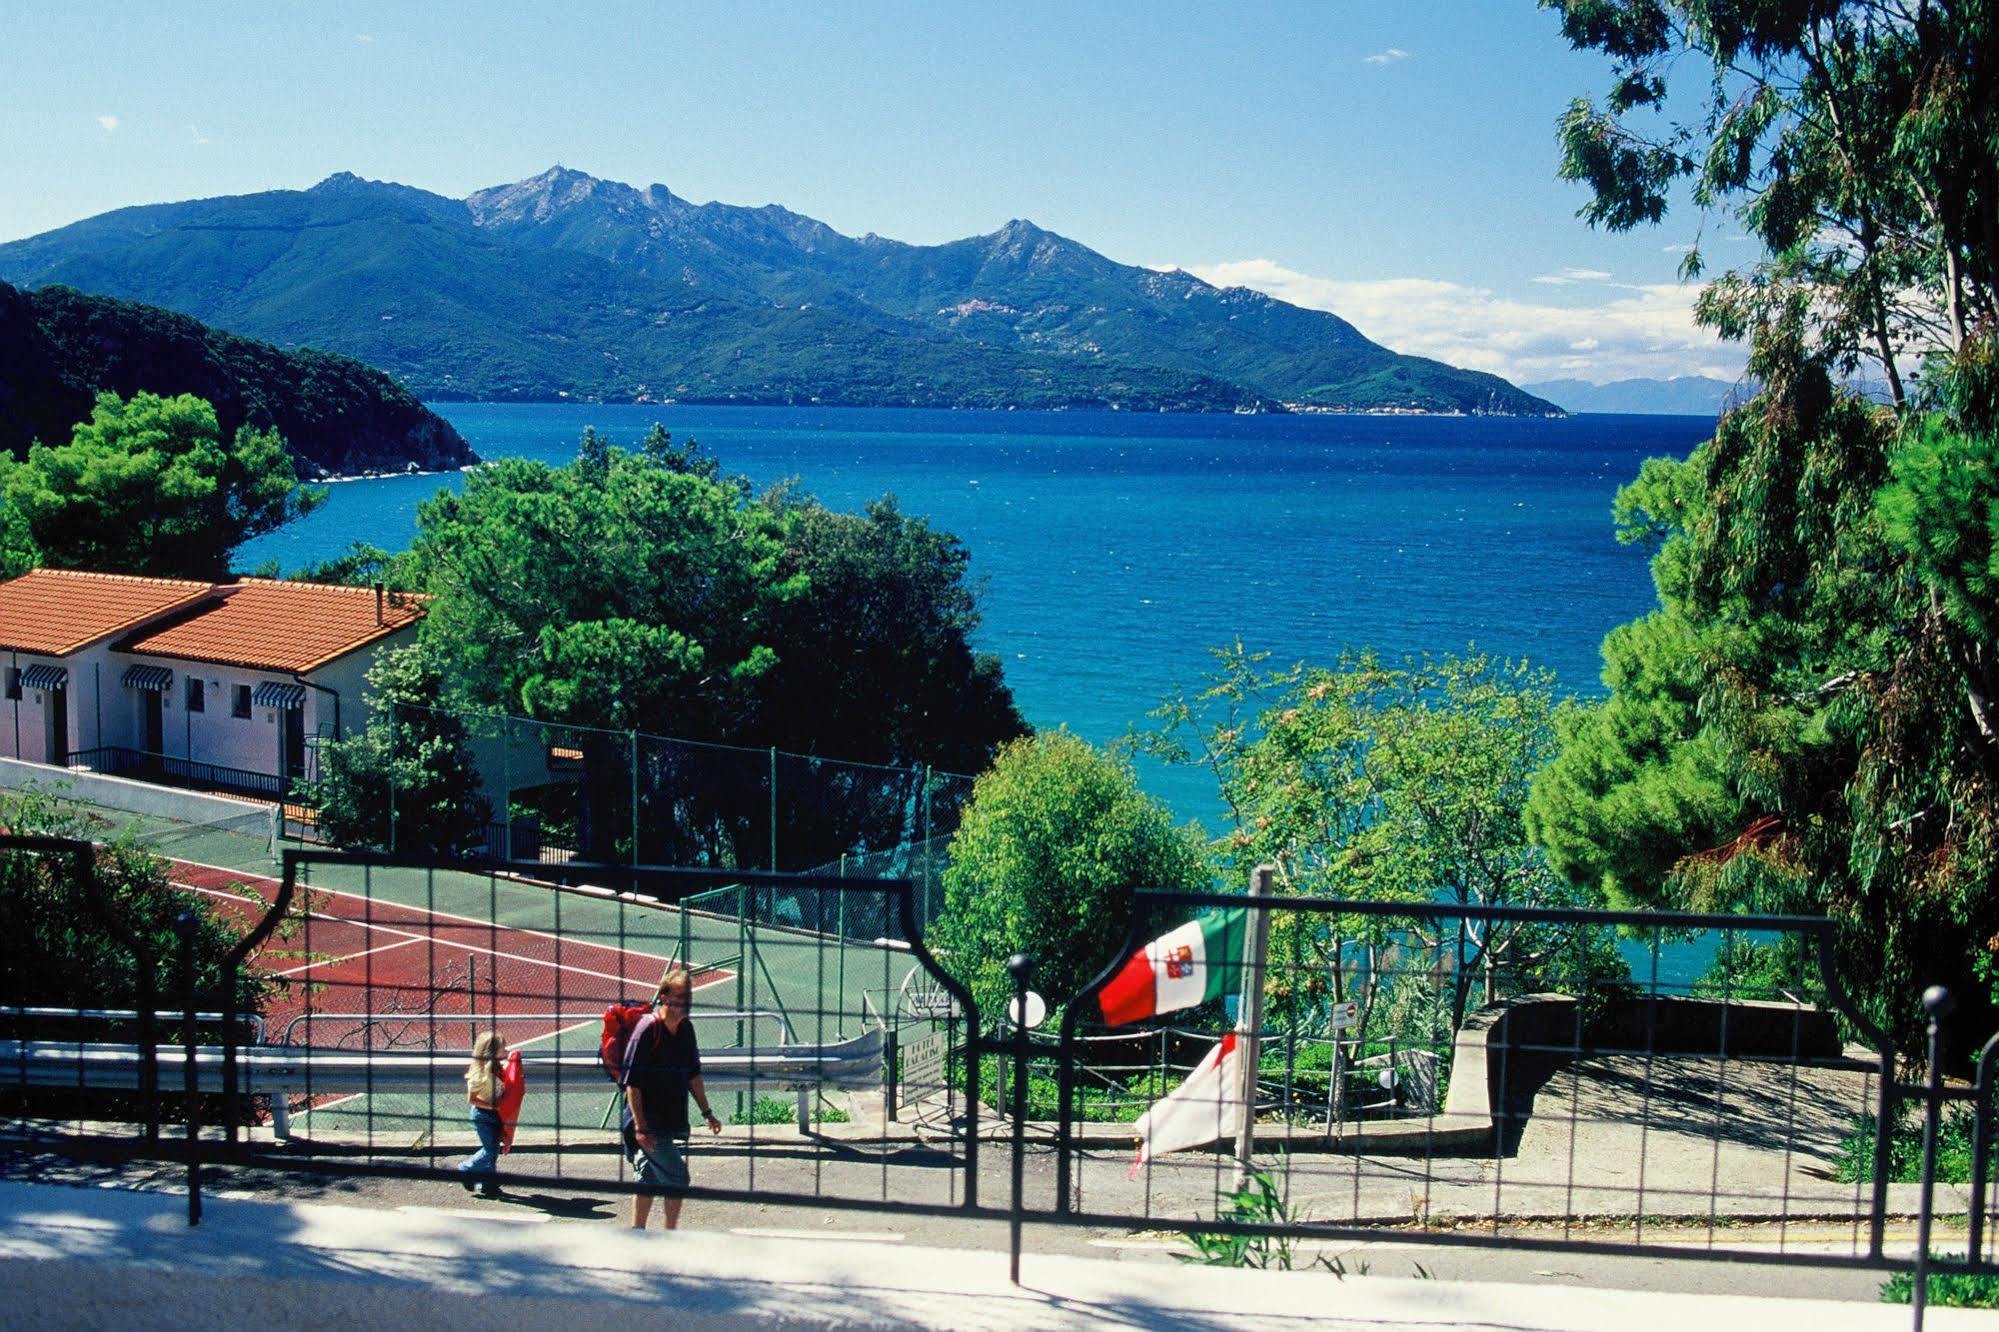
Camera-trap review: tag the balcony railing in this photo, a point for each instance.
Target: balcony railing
(192, 774)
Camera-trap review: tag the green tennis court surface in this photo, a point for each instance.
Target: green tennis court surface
(395, 958)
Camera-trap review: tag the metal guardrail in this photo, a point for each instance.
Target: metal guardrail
(171, 770)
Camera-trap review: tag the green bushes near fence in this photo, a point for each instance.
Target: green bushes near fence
(1854, 1161)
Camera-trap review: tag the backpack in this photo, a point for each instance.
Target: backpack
(619, 1021)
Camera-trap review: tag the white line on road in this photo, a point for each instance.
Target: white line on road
(864, 1236)
(479, 1214)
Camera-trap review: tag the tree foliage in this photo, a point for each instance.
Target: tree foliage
(1856, 139)
(407, 782)
(1054, 841)
(1401, 782)
(150, 486)
(62, 949)
(1805, 721)
(648, 592)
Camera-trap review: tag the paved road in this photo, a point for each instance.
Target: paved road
(1390, 1252)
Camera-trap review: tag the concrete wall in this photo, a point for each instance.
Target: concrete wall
(124, 794)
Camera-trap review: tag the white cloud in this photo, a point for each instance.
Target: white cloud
(1388, 57)
(107, 123)
(1633, 332)
(1677, 249)
(1568, 277)
(196, 135)
(365, 38)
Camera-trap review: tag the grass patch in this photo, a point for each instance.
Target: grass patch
(1948, 1290)
(783, 1110)
(1854, 1162)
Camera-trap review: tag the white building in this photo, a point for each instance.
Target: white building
(213, 685)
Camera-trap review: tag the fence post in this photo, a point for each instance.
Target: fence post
(1937, 1002)
(1021, 967)
(636, 858)
(1249, 1012)
(395, 729)
(1981, 1149)
(773, 808)
(184, 925)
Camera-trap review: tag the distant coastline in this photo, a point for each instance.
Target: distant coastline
(563, 398)
(389, 473)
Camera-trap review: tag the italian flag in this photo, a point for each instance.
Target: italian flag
(1201, 960)
(1207, 1106)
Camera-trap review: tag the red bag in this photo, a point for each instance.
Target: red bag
(513, 1087)
(619, 1019)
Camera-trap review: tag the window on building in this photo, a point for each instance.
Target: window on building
(197, 695)
(242, 708)
(13, 682)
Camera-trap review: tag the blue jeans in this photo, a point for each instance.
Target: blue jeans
(485, 1161)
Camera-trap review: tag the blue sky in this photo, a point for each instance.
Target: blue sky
(1392, 162)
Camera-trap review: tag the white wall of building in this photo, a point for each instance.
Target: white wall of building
(97, 711)
(103, 712)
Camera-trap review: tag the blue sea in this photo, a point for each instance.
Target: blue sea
(1114, 549)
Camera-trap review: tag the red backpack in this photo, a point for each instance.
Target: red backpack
(619, 1020)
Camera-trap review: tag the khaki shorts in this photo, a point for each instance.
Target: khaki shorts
(665, 1167)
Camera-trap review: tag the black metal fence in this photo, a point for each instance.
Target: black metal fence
(1561, 1080)
(189, 774)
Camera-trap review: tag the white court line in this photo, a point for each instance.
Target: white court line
(449, 943)
(244, 877)
(333, 962)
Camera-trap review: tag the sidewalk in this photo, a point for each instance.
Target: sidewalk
(105, 1257)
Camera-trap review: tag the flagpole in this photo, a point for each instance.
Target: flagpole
(1249, 1013)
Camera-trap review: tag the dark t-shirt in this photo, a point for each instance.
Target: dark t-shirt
(659, 1063)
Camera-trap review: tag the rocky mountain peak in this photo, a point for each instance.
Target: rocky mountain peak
(556, 190)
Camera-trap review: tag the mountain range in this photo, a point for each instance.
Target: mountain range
(59, 348)
(1682, 395)
(566, 286)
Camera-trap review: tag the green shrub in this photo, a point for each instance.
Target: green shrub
(1948, 1290)
(1854, 1162)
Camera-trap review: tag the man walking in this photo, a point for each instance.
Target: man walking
(662, 1068)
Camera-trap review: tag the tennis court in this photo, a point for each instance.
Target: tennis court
(398, 958)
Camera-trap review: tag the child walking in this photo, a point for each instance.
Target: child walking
(483, 1089)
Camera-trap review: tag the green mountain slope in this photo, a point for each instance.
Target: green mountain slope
(59, 348)
(564, 285)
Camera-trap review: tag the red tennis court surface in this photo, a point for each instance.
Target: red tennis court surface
(386, 975)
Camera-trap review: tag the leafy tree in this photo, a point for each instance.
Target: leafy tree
(150, 486)
(1806, 721)
(61, 952)
(1402, 783)
(407, 782)
(18, 553)
(646, 592)
(364, 564)
(875, 665)
(614, 593)
(1854, 138)
(1054, 841)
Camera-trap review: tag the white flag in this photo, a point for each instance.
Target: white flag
(1207, 1106)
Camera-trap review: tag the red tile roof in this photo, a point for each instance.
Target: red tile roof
(54, 612)
(269, 625)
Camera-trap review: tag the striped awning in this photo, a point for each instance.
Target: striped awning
(45, 677)
(270, 695)
(157, 678)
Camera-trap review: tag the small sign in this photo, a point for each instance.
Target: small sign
(1346, 1015)
(933, 1003)
(923, 1064)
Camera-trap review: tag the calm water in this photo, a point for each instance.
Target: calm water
(1114, 549)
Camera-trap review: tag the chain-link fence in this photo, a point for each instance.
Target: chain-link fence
(518, 788)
